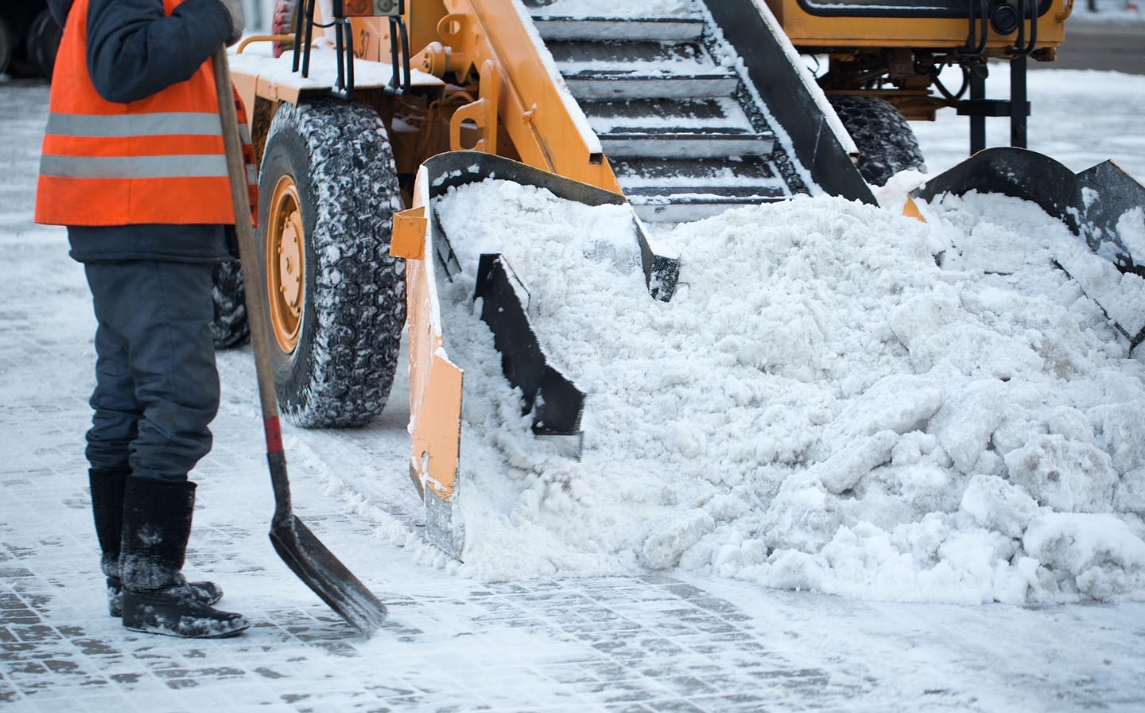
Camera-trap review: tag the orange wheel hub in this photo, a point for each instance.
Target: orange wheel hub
(286, 264)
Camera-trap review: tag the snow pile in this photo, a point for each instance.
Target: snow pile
(837, 398)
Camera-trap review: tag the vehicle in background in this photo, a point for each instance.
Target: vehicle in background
(29, 39)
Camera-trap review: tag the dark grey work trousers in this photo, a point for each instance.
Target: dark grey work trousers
(157, 388)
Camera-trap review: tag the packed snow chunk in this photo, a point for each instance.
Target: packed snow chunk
(673, 536)
(1131, 231)
(1120, 431)
(899, 403)
(847, 465)
(803, 516)
(970, 414)
(1095, 554)
(998, 505)
(1065, 475)
(1130, 496)
(890, 495)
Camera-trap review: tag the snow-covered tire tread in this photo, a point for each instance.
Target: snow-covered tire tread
(341, 372)
(7, 45)
(229, 328)
(885, 140)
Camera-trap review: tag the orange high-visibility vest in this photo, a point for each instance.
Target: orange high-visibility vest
(157, 160)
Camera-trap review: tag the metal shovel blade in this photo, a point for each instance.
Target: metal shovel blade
(320, 570)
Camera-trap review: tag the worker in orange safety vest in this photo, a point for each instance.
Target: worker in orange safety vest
(133, 164)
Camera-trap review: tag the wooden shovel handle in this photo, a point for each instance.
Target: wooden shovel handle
(256, 306)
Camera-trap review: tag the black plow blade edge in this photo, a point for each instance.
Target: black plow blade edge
(317, 566)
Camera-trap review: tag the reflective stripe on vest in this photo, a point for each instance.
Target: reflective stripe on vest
(122, 125)
(176, 166)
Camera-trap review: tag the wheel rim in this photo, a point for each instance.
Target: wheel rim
(286, 264)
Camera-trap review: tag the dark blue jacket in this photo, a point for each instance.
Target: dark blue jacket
(134, 51)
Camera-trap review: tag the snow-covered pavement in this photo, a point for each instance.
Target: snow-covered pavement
(655, 642)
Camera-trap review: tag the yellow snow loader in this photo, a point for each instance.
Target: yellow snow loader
(362, 111)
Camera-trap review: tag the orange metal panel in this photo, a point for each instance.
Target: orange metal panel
(807, 30)
(407, 240)
(435, 382)
(245, 85)
(533, 104)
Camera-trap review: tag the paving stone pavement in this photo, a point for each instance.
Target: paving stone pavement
(633, 644)
(620, 644)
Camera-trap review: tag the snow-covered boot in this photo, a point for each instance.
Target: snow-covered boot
(107, 486)
(107, 508)
(156, 597)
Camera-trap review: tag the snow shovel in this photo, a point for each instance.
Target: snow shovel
(308, 558)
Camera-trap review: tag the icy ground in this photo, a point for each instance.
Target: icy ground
(660, 640)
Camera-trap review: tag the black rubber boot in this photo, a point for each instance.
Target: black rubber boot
(107, 486)
(207, 593)
(156, 597)
(107, 507)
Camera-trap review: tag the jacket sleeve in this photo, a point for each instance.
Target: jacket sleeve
(134, 50)
(59, 9)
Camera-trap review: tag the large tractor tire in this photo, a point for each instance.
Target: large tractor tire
(19, 17)
(42, 42)
(7, 42)
(328, 190)
(229, 328)
(884, 137)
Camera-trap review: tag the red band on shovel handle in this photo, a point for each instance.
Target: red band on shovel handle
(273, 435)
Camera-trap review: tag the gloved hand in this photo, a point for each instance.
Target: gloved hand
(238, 20)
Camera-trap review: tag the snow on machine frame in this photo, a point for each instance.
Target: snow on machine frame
(682, 116)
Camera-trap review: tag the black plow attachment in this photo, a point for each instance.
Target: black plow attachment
(1102, 205)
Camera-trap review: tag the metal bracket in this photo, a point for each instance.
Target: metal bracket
(343, 10)
(991, 108)
(483, 113)
(555, 402)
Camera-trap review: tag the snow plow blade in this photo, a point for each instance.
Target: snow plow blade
(1097, 204)
(1103, 205)
(556, 403)
(436, 383)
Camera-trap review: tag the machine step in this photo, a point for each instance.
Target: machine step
(674, 144)
(685, 114)
(679, 128)
(602, 29)
(687, 208)
(677, 190)
(617, 84)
